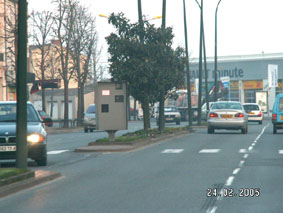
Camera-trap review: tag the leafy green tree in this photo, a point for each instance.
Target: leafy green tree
(141, 55)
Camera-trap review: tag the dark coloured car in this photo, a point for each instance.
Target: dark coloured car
(47, 120)
(36, 134)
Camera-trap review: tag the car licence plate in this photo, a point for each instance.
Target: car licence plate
(281, 117)
(226, 116)
(7, 148)
(251, 113)
(169, 119)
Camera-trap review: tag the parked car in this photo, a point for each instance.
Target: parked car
(254, 112)
(90, 118)
(227, 115)
(36, 134)
(277, 113)
(171, 114)
(47, 120)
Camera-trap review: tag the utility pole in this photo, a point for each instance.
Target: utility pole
(21, 81)
(215, 55)
(200, 65)
(188, 69)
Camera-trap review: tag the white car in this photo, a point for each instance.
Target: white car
(254, 112)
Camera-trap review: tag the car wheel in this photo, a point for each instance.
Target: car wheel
(42, 161)
(260, 122)
(91, 130)
(86, 130)
(210, 130)
(244, 130)
(274, 129)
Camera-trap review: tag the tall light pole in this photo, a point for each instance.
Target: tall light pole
(215, 55)
(200, 64)
(188, 69)
(21, 81)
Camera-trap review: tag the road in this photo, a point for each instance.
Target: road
(177, 175)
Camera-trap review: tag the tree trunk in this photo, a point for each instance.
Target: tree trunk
(66, 104)
(79, 106)
(146, 120)
(161, 117)
(82, 103)
(51, 107)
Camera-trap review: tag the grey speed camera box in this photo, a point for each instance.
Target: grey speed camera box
(111, 103)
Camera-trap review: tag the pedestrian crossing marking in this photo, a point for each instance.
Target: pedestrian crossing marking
(209, 151)
(172, 151)
(56, 152)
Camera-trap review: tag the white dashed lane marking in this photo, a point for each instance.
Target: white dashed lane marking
(280, 151)
(56, 152)
(209, 151)
(172, 151)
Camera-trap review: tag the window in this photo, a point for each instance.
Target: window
(234, 95)
(250, 96)
(281, 104)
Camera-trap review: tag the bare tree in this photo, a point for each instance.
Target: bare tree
(83, 40)
(10, 39)
(64, 19)
(42, 25)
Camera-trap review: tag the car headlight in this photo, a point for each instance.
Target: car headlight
(35, 138)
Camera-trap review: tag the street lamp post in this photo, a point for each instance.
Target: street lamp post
(215, 55)
(188, 69)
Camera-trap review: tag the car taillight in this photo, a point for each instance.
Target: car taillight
(239, 115)
(260, 114)
(274, 116)
(213, 115)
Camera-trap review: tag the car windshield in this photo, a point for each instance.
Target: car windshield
(91, 109)
(42, 113)
(251, 107)
(227, 106)
(8, 113)
(170, 109)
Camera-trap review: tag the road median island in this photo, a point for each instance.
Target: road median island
(133, 140)
(13, 180)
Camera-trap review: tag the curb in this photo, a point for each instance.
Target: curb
(16, 178)
(39, 177)
(128, 147)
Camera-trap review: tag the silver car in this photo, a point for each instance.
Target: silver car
(90, 118)
(227, 115)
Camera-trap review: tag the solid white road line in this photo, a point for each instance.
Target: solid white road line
(172, 151)
(209, 151)
(56, 152)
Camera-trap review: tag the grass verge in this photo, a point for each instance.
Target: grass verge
(10, 172)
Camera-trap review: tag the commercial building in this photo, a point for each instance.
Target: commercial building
(248, 75)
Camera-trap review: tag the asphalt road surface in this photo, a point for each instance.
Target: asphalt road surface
(222, 172)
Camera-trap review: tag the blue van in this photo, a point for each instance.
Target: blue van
(277, 113)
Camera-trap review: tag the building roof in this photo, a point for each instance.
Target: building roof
(233, 58)
(72, 91)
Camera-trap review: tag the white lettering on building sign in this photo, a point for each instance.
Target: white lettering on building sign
(105, 92)
(272, 75)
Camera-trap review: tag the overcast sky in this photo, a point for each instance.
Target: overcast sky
(244, 26)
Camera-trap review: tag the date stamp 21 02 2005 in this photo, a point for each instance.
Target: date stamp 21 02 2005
(230, 192)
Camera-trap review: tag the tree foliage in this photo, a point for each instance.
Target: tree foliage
(143, 56)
